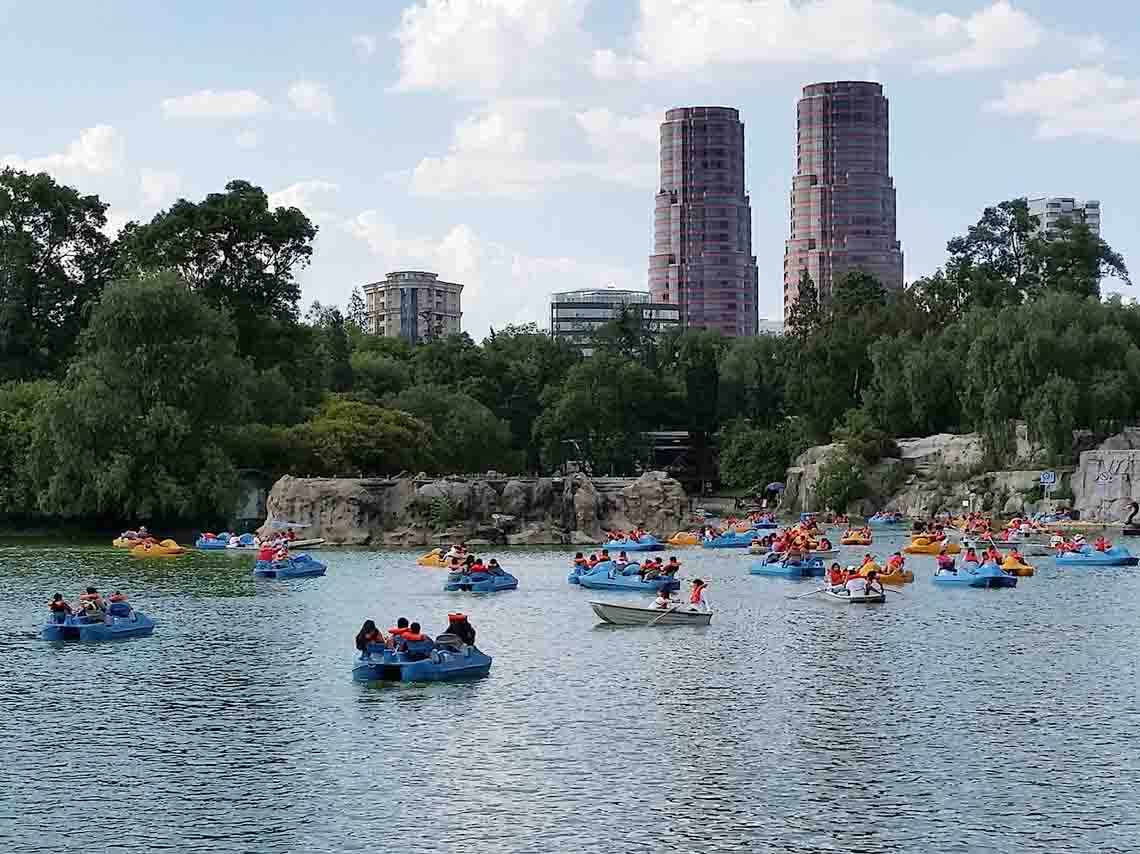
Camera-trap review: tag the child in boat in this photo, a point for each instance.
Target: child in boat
(59, 608)
(697, 600)
(663, 600)
(872, 583)
(945, 563)
(1101, 544)
(400, 630)
(622, 560)
(835, 576)
(894, 565)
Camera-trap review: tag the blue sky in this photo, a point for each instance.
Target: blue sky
(511, 144)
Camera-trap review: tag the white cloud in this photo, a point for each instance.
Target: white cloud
(679, 36)
(1086, 102)
(518, 148)
(246, 139)
(365, 43)
(501, 284)
(98, 150)
(491, 45)
(312, 99)
(158, 186)
(208, 104)
(310, 197)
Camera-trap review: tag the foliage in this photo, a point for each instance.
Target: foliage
(752, 457)
(857, 292)
(377, 375)
(840, 482)
(18, 425)
(862, 436)
(440, 513)
(136, 428)
(467, 437)
(804, 315)
(54, 262)
(347, 438)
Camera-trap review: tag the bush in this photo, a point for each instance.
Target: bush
(863, 437)
(840, 482)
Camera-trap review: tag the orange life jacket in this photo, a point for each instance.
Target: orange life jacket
(695, 599)
(58, 606)
(118, 597)
(399, 633)
(408, 636)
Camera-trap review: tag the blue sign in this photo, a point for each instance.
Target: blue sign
(1048, 478)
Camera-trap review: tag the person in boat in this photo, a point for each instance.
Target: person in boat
(971, 556)
(650, 569)
(580, 561)
(697, 600)
(835, 575)
(855, 582)
(60, 610)
(455, 552)
(290, 535)
(622, 559)
(824, 545)
(493, 568)
(265, 552)
(663, 600)
(458, 627)
(281, 555)
(415, 644)
(992, 554)
(453, 565)
(119, 599)
(604, 557)
(92, 603)
(672, 566)
(867, 566)
(368, 635)
(945, 563)
(400, 630)
(872, 584)
(1101, 544)
(593, 561)
(895, 564)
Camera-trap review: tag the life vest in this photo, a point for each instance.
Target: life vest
(695, 599)
(411, 638)
(57, 606)
(399, 633)
(835, 576)
(118, 597)
(88, 597)
(581, 561)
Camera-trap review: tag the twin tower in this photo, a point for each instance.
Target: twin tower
(842, 206)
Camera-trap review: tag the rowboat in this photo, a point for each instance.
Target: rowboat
(842, 596)
(634, 615)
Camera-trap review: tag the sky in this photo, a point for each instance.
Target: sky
(511, 145)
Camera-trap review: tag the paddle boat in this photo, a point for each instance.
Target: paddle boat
(122, 622)
(167, 548)
(729, 540)
(886, 520)
(633, 615)
(607, 576)
(212, 542)
(855, 540)
(843, 596)
(1013, 566)
(1088, 556)
(245, 543)
(298, 566)
(126, 542)
(923, 545)
(648, 543)
(775, 566)
(765, 525)
(310, 543)
(444, 663)
(480, 582)
(906, 576)
(685, 538)
(989, 574)
(757, 549)
(433, 558)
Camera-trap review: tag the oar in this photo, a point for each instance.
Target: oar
(653, 622)
(812, 593)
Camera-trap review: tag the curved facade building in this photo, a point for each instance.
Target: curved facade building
(702, 224)
(843, 198)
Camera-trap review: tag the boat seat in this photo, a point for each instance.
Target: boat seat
(449, 641)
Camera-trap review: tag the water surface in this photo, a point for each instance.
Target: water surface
(944, 721)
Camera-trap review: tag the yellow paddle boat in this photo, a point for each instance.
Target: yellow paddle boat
(124, 543)
(904, 577)
(433, 558)
(931, 546)
(685, 538)
(854, 540)
(1016, 567)
(167, 548)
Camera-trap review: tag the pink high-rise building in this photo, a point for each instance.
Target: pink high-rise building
(702, 224)
(843, 198)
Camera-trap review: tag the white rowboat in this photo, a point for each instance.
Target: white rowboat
(634, 615)
(844, 597)
(307, 544)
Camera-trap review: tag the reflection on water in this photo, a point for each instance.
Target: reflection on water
(948, 720)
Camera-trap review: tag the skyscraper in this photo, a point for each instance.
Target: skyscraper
(843, 198)
(702, 224)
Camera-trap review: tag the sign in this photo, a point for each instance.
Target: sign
(1048, 478)
(1103, 477)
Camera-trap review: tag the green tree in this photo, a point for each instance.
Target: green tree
(805, 315)
(18, 425)
(995, 262)
(237, 253)
(857, 292)
(751, 457)
(348, 438)
(54, 262)
(377, 375)
(1074, 260)
(467, 435)
(356, 314)
(840, 482)
(863, 437)
(754, 375)
(137, 428)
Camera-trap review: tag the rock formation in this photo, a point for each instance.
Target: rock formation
(417, 511)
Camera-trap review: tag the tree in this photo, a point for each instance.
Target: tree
(1051, 416)
(994, 263)
(136, 430)
(857, 292)
(348, 438)
(629, 335)
(839, 483)
(357, 312)
(753, 379)
(753, 458)
(378, 376)
(18, 425)
(1074, 260)
(55, 260)
(862, 437)
(236, 253)
(467, 437)
(805, 315)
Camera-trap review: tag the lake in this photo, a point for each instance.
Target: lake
(946, 720)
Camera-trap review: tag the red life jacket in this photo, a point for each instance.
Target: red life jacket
(58, 606)
(695, 599)
(408, 636)
(399, 633)
(118, 597)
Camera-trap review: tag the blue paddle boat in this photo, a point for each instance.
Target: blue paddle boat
(886, 520)
(298, 566)
(213, 543)
(774, 565)
(1087, 556)
(434, 663)
(765, 525)
(480, 582)
(122, 621)
(989, 574)
(246, 542)
(608, 576)
(648, 543)
(729, 540)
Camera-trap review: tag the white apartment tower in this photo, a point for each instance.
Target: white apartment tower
(1050, 210)
(413, 305)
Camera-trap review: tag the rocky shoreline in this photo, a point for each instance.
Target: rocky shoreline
(421, 511)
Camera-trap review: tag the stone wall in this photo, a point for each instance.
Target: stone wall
(398, 511)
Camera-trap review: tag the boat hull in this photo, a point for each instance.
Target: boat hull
(441, 666)
(1116, 556)
(649, 544)
(778, 569)
(606, 576)
(844, 597)
(301, 566)
(630, 615)
(479, 582)
(136, 625)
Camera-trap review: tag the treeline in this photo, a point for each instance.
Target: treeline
(140, 373)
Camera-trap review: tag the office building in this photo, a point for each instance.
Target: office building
(702, 224)
(575, 316)
(1050, 210)
(413, 305)
(843, 198)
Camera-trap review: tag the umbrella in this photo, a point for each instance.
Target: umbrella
(281, 524)
(774, 487)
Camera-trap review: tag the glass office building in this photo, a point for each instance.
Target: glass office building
(575, 316)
